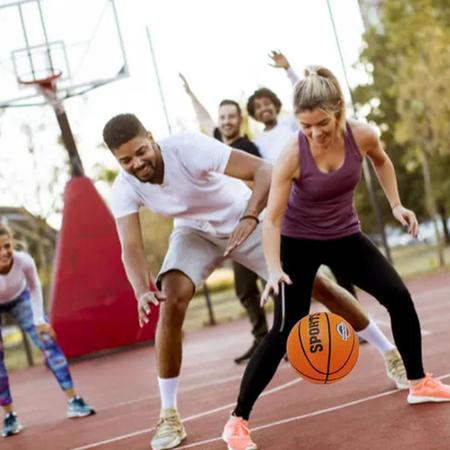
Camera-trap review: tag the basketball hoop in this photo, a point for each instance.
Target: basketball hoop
(47, 87)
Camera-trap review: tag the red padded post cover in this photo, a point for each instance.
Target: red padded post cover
(92, 304)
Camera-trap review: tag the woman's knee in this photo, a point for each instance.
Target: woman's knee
(397, 297)
(40, 341)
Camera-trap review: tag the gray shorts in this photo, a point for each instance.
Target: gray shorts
(197, 254)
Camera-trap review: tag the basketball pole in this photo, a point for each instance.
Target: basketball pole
(367, 172)
(76, 166)
(155, 65)
(49, 92)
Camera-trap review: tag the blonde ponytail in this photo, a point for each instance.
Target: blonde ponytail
(320, 89)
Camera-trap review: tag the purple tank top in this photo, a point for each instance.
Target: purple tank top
(321, 205)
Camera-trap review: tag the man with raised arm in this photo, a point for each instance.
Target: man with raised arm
(228, 130)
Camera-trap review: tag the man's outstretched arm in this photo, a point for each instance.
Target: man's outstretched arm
(280, 61)
(204, 119)
(135, 263)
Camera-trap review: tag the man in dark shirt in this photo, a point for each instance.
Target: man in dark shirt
(229, 129)
(245, 281)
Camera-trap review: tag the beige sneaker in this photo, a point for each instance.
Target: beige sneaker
(169, 432)
(395, 369)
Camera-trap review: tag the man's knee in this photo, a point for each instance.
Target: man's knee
(172, 312)
(179, 290)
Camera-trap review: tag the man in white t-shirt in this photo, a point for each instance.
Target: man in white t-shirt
(264, 106)
(228, 131)
(200, 182)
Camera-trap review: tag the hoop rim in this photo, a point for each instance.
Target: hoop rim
(47, 81)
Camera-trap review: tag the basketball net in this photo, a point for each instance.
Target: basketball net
(48, 89)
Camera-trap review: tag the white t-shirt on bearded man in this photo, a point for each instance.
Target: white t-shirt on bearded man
(195, 191)
(270, 143)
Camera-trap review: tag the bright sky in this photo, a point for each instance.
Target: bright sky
(220, 46)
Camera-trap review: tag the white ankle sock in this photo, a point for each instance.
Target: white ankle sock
(168, 392)
(374, 336)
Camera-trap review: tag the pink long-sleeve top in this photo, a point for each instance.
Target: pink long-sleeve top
(23, 275)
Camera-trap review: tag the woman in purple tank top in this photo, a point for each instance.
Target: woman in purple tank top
(311, 220)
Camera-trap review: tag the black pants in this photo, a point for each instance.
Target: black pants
(356, 259)
(345, 283)
(246, 288)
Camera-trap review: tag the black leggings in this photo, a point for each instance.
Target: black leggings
(353, 258)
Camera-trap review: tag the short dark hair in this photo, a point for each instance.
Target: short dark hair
(260, 93)
(231, 102)
(121, 129)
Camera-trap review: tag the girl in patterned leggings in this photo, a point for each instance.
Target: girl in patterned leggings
(21, 297)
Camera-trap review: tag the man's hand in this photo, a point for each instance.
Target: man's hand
(186, 86)
(143, 304)
(46, 328)
(279, 60)
(243, 230)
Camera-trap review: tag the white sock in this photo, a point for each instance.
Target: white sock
(374, 336)
(168, 392)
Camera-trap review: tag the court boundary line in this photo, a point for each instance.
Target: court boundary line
(261, 427)
(181, 390)
(307, 415)
(187, 419)
(208, 412)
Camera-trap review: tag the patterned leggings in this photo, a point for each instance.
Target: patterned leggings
(20, 309)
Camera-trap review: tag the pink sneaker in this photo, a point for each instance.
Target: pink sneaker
(237, 435)
(429, 390)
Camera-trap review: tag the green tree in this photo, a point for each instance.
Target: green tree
(408, 95)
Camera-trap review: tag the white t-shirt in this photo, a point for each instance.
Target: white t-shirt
(271, 143)
(194, 191)
(23, 274)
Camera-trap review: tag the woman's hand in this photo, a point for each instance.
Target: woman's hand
(272, 286)
(407, 218)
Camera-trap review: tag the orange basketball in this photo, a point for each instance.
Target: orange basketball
(322, 348)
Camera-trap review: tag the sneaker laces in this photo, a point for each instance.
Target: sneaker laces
(431, 382)
(10, 418)
(240, 428)
(166, 424)
(396, 367)
(77, 400)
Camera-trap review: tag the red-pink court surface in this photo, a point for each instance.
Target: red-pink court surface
(362, 412)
